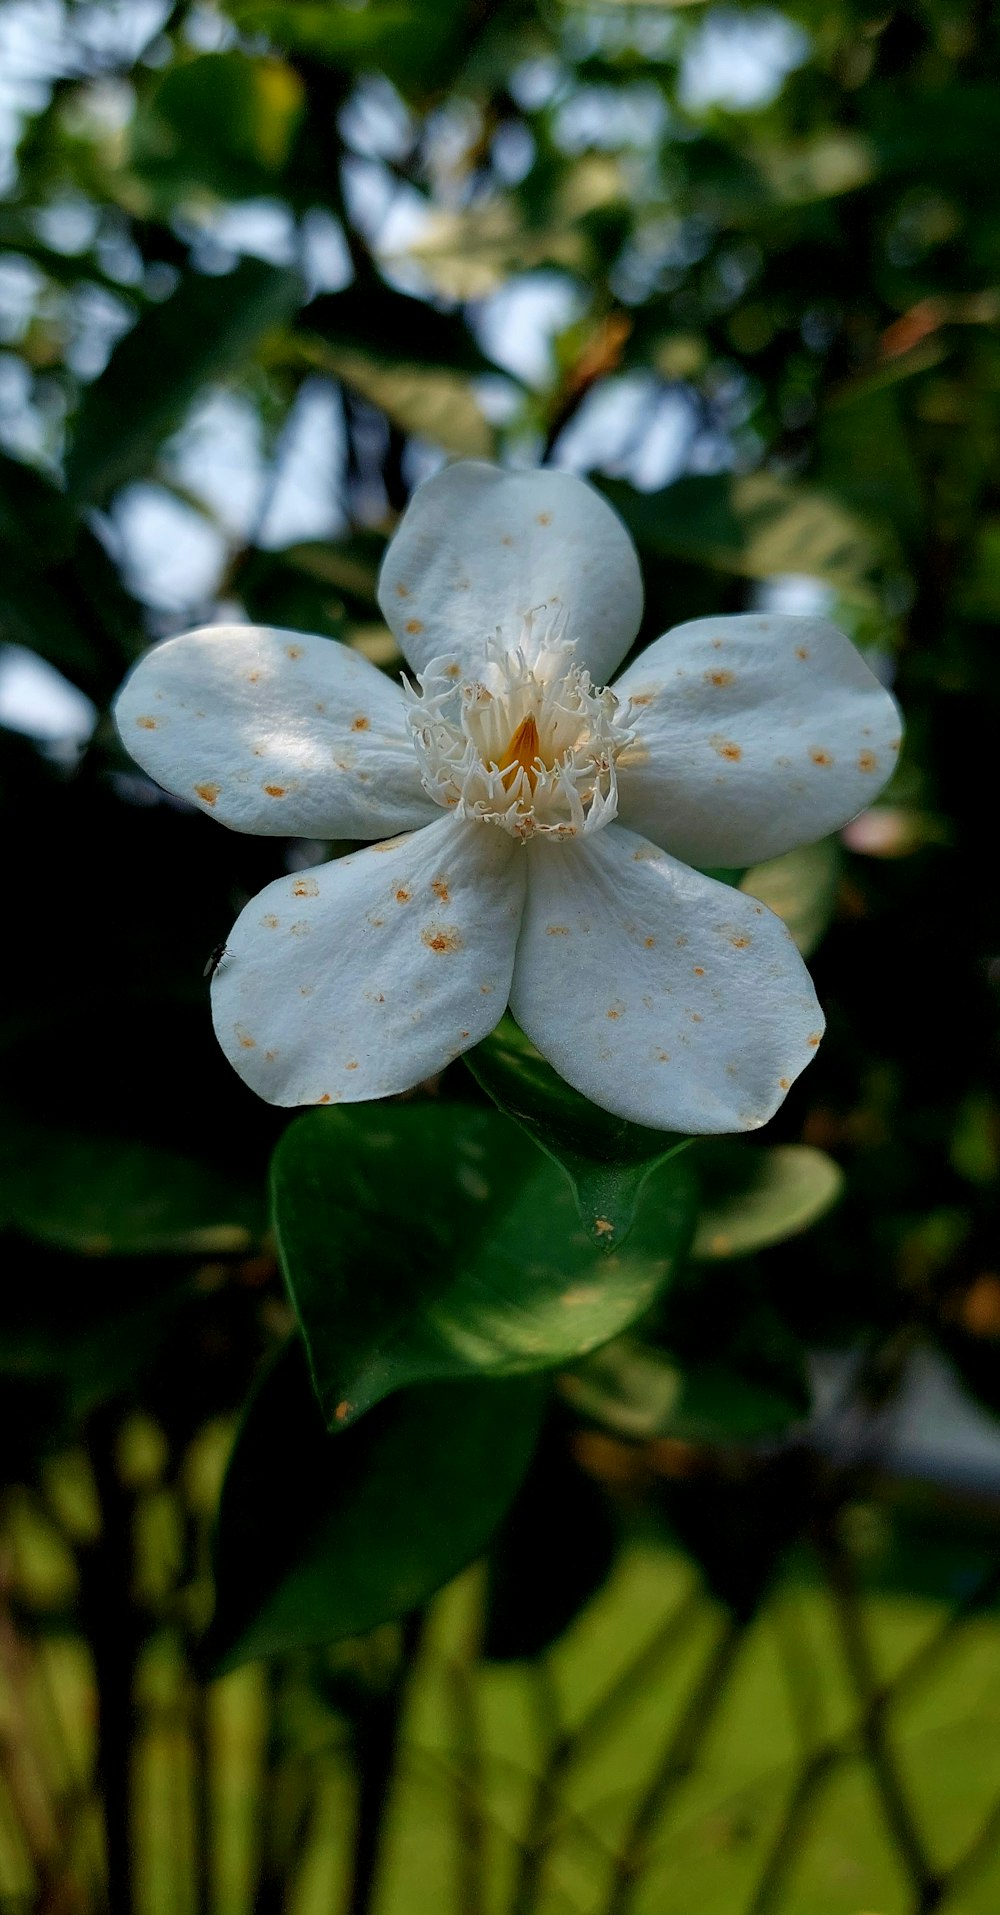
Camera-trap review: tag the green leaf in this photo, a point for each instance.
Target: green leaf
(205, 330)
(433, 1240)
(757, 1195)
(800, 888)
(220, 122)
(115, 1196)
(435, 405)
(606, 1158)
(642, 1392)
(754, 524)
(552, 1552)
(321, 1537)
(403, 39)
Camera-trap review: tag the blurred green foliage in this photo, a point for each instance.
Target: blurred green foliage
(766, 323)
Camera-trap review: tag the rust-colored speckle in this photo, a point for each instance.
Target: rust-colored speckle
(784, 1083)
(820, 757)
(275, 791)
(486, 990)
(325, 1099)
(454, 670)
(146, 724)
(342, 1410)
(614, 1013)
(247, 1043)
(305, 888)
(603, 1226)
(270, 921)
(740, 943)
(403, 895)
(716, 644)
(557, 930)
(895, 744)
(649, 943)
(720, 677)
(867, 761)
(402, 591)
(727, 749)
(270, 1056)
(544, 518)
(699, 970)
(646, 854)
(696, 1017)
(440, 890)
(208, 793)
(293, 651)
(441, 937)
(352, 1065)
(802, 651)
(814, 1040)
(253, 678)
(306, 990)
(642, 698)
(663, 1057)
(507, 539)
(301, 928)
(414, 625)
(360, 723)
(463, 1035)
(680, 942)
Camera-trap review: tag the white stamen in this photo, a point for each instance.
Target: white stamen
(463, 733)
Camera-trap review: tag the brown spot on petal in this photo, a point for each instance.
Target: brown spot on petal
(402, 591)
(414, 625)
(784, 1083)
(544, 518)
(306, 990)
(557, 930)
(275, 791)
(680, 941)
(325, 1099)
(453, 670)
(663, 1057)
(507, 539)
(301, 929)
(293, 651)
(699, 970)
(720, 678)
(649, 943)
(814, 1040)
(740, 944)
(305, 888)
(208, 793)
(352, 1066)
(247, 1043)
(440, 890)
(726, 749)
(642, 698)
(360, 723)
(403, 896)
(820, 757)
(269, 921)
(802, 651)
(147, 724)
(867, 761)
(441, 937)
(615, 1012)
(253, 678)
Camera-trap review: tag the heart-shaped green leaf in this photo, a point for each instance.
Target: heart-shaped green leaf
(606, 1158)
(321, 1537)
(433, 1240)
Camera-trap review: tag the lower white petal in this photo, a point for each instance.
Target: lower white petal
(752, 734)
(662, 995)
(359, 978)
(275, 732)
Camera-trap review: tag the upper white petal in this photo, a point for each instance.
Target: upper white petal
(479, 550)
(359, 978)
(663, 995)
(275, 732)
(753, 734)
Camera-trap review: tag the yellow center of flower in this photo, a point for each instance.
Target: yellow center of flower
(521, 754)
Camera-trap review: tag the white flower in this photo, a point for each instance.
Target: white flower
(551, 826)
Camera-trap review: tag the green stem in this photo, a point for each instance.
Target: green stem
(377, 1742)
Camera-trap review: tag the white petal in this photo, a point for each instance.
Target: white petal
(753, 734)
(359, 978)
(479, 549)
(275, 732)
(663, 995)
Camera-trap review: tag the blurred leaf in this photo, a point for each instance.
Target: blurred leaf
(208, 327)
(606, 1158)
(756, 524)
(321, 1537)
(801, 888)
(60, 594)
(552, 1552)
(415, 45)
(473, 1258)
(221, 121)
(115, 1196)
(394, 329)
(755, 1195)
(438, 406)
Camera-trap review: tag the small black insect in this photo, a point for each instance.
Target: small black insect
(216, 955)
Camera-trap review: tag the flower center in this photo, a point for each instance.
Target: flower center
(530, 745)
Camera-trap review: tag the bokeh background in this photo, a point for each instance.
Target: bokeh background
(265, 267)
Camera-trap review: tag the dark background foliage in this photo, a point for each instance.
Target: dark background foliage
(734, 1646)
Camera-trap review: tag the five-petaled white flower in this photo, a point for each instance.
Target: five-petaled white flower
(551, 827)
